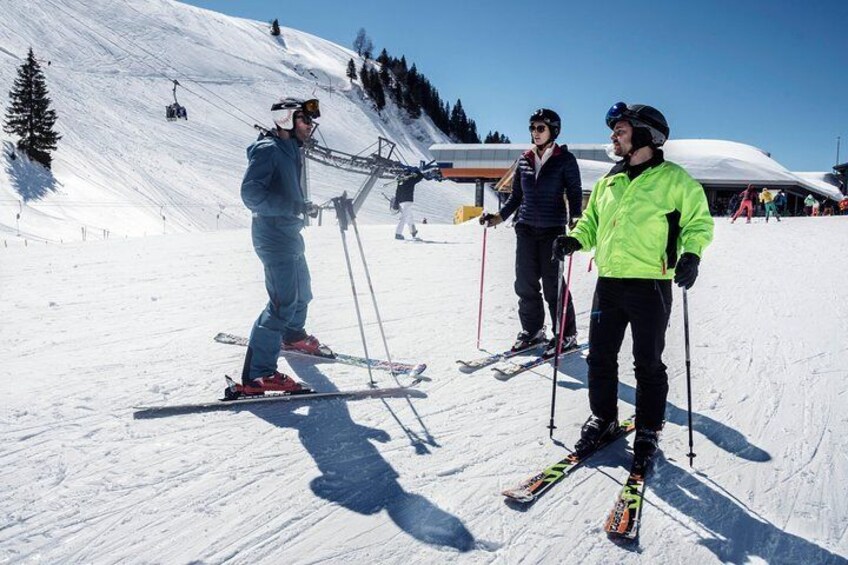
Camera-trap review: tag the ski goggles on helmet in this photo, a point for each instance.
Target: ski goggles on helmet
(309, 107)
(617, 111)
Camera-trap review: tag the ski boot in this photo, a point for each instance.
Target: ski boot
(277, 382)
(645, 444)
(526, 340)
(399, 237)
(310, 346)
(569, 343)
(593, 432)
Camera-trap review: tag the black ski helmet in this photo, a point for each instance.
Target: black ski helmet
(641, 116)
(549, 118)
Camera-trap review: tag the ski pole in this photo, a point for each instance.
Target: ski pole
(691, 454)
(563, 319)
(341, 213)
(482, 275)
(352, 216)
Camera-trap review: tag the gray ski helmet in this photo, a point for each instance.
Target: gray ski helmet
(640, 116)
(549, 118)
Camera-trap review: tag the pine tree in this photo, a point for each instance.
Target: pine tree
(351, 70)
(377, 92)
(385, 77)
(275, 27)
(458, 122)
(496, 137)
(29, 115)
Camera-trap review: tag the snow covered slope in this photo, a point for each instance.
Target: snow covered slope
(123, 169)
(90, 330)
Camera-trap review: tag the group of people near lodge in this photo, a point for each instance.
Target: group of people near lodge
(647, 222)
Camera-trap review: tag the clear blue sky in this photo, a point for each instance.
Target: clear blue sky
(773, 74)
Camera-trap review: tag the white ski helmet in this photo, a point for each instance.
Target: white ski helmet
(286, 109)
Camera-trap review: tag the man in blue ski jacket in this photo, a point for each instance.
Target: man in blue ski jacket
(272, 190)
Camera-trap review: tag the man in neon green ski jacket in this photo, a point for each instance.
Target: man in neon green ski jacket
(640, 217)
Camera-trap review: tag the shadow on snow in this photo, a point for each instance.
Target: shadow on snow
(353, 472)
(737, 532)
(31, 180)
(723, 436)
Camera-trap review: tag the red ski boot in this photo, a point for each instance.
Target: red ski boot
(278, 382)
(309, 346)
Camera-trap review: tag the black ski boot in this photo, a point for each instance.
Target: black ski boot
(645, 444)
(593, 432)
(526, 340)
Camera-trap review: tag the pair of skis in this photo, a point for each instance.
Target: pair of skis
(514, 368)
(144, 412)
(624, 518)
(233, 399)
(411, 370)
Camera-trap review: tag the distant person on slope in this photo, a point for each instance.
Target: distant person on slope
(546, 190)
(767, 199)
(640, 216)
(272, 190)
(732, 205)
(808, 204)
(780, 202)
(816, 205)
(404, 198)
(748, 197)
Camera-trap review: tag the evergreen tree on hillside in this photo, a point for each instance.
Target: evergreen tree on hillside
(377, 92)
(351, 70)
(496, 138)
(363, 75)
(458, 122)
(275, 27)
(400, 69)
(29, 115)
(471, 135)
(411, 91)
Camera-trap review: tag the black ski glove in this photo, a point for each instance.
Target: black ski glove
(564, 246)
(310, 209)
(573, 222)
(687, 270)
(490, 220)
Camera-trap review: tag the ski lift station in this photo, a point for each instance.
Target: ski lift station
(724, 168)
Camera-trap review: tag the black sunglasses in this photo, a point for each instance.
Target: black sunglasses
(307, 119)
(538, 129)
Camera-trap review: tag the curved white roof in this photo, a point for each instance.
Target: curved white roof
(712, 162)
(715, 161)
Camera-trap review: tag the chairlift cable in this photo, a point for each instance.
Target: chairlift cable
(160, 73)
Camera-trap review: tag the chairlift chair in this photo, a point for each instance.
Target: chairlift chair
(176, 110)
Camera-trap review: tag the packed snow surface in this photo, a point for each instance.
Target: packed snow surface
(92, 329)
